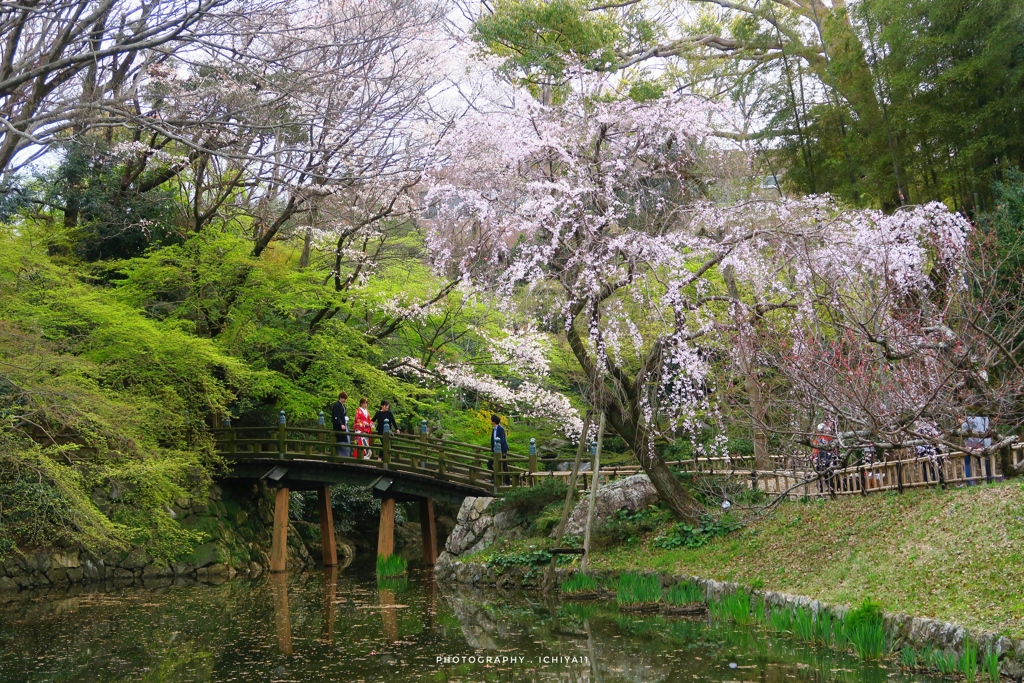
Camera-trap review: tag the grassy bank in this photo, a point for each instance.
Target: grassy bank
(954, 555)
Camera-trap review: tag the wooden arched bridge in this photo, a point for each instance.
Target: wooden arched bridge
(423, 467)
(398, 468)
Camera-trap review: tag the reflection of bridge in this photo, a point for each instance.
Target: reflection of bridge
(424, 468)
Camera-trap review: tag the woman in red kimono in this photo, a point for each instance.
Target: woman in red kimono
(363, 427)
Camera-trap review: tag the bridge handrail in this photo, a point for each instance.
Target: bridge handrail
(474, 464)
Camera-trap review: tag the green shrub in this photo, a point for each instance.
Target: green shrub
(528, 501)
(625, 527)
(684, 593)
(580, 583)
(391, 565)
(523, 558)
(869, 612)
(638, 589)
(548, 518)
(684, 535)
(864, 628)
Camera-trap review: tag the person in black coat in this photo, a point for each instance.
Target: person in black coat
(385, 414)
(339, 418)
(498, 438)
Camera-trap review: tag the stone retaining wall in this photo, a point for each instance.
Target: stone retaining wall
(903, 629)
(236, 523)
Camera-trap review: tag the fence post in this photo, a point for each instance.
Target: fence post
(320, 437)
(899, 475)
(533, 461)
(281, 423)
(423, 441)
(385, 443)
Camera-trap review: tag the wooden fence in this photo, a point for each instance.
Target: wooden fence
(475, 465)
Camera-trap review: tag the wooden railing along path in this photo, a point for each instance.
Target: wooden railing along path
(476, 466)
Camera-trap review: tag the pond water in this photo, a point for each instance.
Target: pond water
(340, 626)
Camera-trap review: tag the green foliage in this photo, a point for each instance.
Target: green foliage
(528, 501)
(354, 508)
(539, 39)
(953, 128)
(946, 663)
(43, 501)
(530, 557)
(638, 589)
(864, 628)
(803, 624)
(548, 518)
(628, 527)
(108, 219)
(580, 583)
(990, 664)
(781, 619)
(908, 658)
(391, 565)
(684, 535)
(969, 660)
(684, 593)
(732, 607)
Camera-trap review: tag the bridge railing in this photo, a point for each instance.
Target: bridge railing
(476, 466)
(423, 454)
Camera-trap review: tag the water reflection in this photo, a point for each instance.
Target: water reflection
(329, 608)
(344, 626)
(282, 618)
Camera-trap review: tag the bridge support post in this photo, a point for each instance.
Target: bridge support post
(327, 540)
(279, 548)
(386, 530)
(429, 531)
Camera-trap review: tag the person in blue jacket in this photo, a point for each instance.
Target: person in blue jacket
(498, 437)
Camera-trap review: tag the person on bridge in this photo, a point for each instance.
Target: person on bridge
(385, 414)
(498, 437)
(363, 426)
(339, 418)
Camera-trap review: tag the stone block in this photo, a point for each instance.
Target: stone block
(66, 559)
(207, 554)
(136, 559)
(57, 575)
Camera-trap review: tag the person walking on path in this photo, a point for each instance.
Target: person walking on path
(384, 413)
(339, 419)
(363, 426)
(498, 437)
(824, 458)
